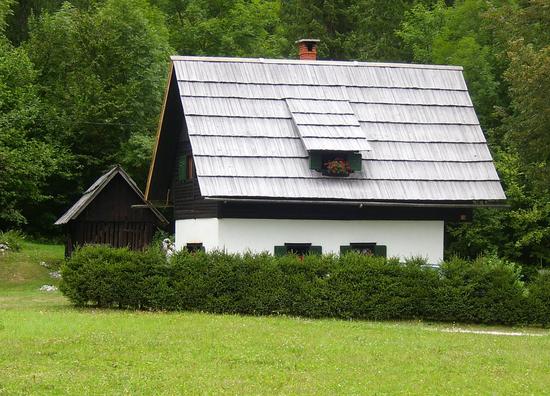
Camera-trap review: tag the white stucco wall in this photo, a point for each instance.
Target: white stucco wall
(402, 238)
(203, 231)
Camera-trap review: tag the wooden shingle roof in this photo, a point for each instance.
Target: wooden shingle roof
(251, 123)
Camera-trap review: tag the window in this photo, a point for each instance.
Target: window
(189, 167)
(367, 248)
(299, 249)
(364, 248)
(185, 168)
(194, 247)
(326, 161)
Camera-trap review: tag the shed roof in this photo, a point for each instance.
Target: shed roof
(251, 123)
(92, 192)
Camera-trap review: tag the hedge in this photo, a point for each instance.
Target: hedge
(486, 290)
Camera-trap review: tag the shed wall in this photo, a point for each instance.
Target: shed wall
(110, 219)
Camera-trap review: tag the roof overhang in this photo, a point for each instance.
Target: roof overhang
(406, 204)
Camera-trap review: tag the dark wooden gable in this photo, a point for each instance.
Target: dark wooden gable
(186, 195)
(166, 184)
(159, 182)
(114, 203)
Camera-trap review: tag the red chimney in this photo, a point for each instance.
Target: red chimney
(307, 49)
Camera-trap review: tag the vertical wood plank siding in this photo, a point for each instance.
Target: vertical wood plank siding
(111, 220)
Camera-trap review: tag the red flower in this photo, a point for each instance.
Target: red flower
(338, 166)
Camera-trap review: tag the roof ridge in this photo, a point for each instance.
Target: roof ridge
(176, 58)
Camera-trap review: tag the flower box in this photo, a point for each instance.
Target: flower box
(337, 167)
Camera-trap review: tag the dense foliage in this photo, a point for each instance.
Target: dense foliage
(81, 85)
(11, 241)
(485, 290)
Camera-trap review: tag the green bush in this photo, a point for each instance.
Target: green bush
(13, 239)
(539, 298)
(486, 290)
(108, 277)
(376, 288)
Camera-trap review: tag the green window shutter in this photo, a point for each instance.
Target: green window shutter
(380, 251)
(315, 161)
(355, 162)
(316, 250)
(344, 249)
(182, 168)
(279, 250)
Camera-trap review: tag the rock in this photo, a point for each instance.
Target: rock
(48, 288)
(44, 264)
(4, 248)
(55, 274)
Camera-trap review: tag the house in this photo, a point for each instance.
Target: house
(112, 211)
(305, 155)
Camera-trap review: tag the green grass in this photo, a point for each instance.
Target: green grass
(48, 347)
(21, 275)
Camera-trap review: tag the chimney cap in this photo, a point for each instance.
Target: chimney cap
(307, 41)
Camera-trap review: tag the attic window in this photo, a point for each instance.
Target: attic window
(189, 167)
(335, 163)
(185, 168)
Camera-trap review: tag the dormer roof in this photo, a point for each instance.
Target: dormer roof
(327, 125)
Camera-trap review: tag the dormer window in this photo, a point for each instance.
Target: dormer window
(331, 134)
(335, 163)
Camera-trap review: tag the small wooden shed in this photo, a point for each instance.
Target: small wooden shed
(113, 211)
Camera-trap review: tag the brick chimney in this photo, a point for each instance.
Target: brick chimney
(307, 49)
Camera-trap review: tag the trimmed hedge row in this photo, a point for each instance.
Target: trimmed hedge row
(487, 290)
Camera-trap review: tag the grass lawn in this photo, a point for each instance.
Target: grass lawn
(48, 347)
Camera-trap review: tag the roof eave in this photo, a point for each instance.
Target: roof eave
(361, 203)
(159, 130)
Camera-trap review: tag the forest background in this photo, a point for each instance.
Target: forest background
(81, 86)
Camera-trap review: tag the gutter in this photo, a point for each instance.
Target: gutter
(362, 203)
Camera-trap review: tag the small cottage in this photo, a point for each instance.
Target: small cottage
(113, 212)
(319, 156)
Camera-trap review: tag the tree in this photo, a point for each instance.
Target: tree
(521, 142)
(419, 28)
(21, 11)
(360, 30)
(458, 35)
(102, 74)
(27, 159)
(529, 125)
(245, 28)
